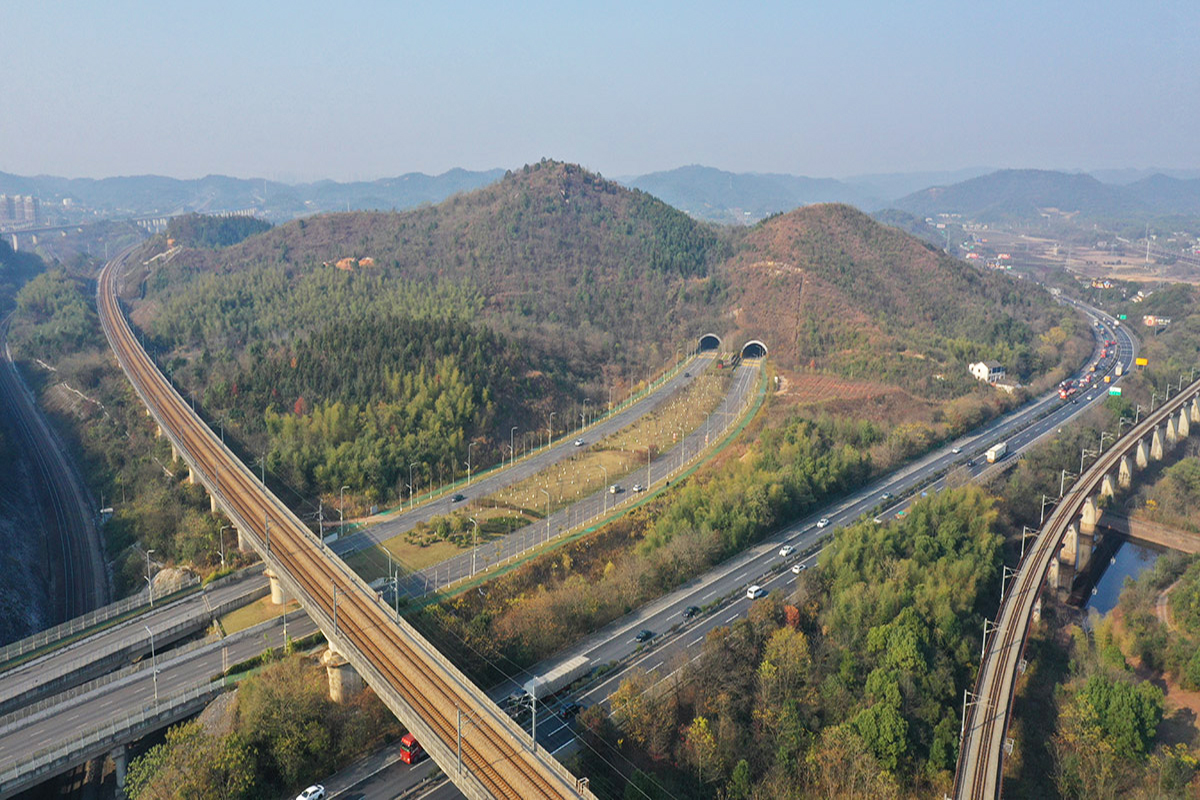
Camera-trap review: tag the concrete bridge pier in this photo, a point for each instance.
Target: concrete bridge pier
(120, 757)
(1125, 473)
(1196, 409)
(1070, 545)
(1172, 434)
(244, 545)
(1107, 487)
(278, 593)
(1088, 517)
(1156, 445)
(1054, 576)
(191, 479)
(1142, 456)
(212, 503)
(344, 680)
(1183, 428)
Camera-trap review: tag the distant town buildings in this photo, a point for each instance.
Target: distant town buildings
(20, 209)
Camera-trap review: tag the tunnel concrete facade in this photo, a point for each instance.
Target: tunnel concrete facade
(754, 348)
(709, 342)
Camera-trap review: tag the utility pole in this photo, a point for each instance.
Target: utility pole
(341, 506)
(550, 431)
(149, 583)
(512, 454)
(153, 663)
(543, 491)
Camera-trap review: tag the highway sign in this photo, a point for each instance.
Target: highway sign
(1122, 316)
(1115, 391)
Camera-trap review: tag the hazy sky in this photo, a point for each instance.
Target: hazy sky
(298, 90)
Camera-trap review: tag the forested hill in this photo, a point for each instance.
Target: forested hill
(832, 288)
(354, 344)
(557, 253)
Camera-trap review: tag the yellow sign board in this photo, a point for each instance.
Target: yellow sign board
(1141, 362)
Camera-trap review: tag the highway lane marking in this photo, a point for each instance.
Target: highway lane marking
(733, 617)
(656, 666)
(697, 640)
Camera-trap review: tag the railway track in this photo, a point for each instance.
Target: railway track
(987, 716)
(416, 682)
(83, 578)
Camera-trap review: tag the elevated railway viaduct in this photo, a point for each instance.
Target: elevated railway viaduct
(482, 750)
(1064, 540)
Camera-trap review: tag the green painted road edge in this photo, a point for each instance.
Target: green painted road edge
(569, 537)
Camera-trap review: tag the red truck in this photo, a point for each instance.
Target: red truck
(410, 750)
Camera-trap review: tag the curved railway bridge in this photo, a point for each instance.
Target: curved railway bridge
(1059, 543)
(475, 743)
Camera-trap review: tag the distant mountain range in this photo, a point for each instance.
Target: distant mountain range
(702, 192)
(142, 195)
(1026, 195)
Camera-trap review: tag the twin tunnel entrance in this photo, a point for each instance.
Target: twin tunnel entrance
(754, 348)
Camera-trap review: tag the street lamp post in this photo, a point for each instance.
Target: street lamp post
(153, 663)
(341, 506)
(550, 431)
(543, 491)
(469, 446)
(475, 548)
(411, 485)
(149, 583)
(512, 453)
(221, 541)
(605, 500)
(585, 409)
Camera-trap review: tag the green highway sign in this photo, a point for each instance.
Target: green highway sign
(1115, 391)
(1121, 316)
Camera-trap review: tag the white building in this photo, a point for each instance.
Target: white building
(988, 371)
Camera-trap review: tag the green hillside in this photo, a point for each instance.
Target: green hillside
(350, 345)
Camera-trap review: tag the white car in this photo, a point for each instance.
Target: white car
(822, 522)
(956, 450)
(786, 550)
(579, 442)
(798, 568)
(755, 592)
(316, 792)
(637, 487)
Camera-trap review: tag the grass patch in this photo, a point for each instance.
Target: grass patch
(250, 615)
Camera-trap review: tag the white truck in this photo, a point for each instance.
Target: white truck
(561, 676)
(996, 452)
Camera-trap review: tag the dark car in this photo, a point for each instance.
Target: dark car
(570, 709)
(644, 635)
(458, 498)
(691, 611)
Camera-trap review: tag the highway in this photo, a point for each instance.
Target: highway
(985, 728)
(176, 672)
(81, 577)
(118, 645)
(678, 640)
(429, 695)
(500, 478)
(465, 564)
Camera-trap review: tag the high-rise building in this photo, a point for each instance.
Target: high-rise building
(33, 209)
(7, 213)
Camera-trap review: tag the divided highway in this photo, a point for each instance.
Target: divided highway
(497, 479)
(430, 696)
(678, 640)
